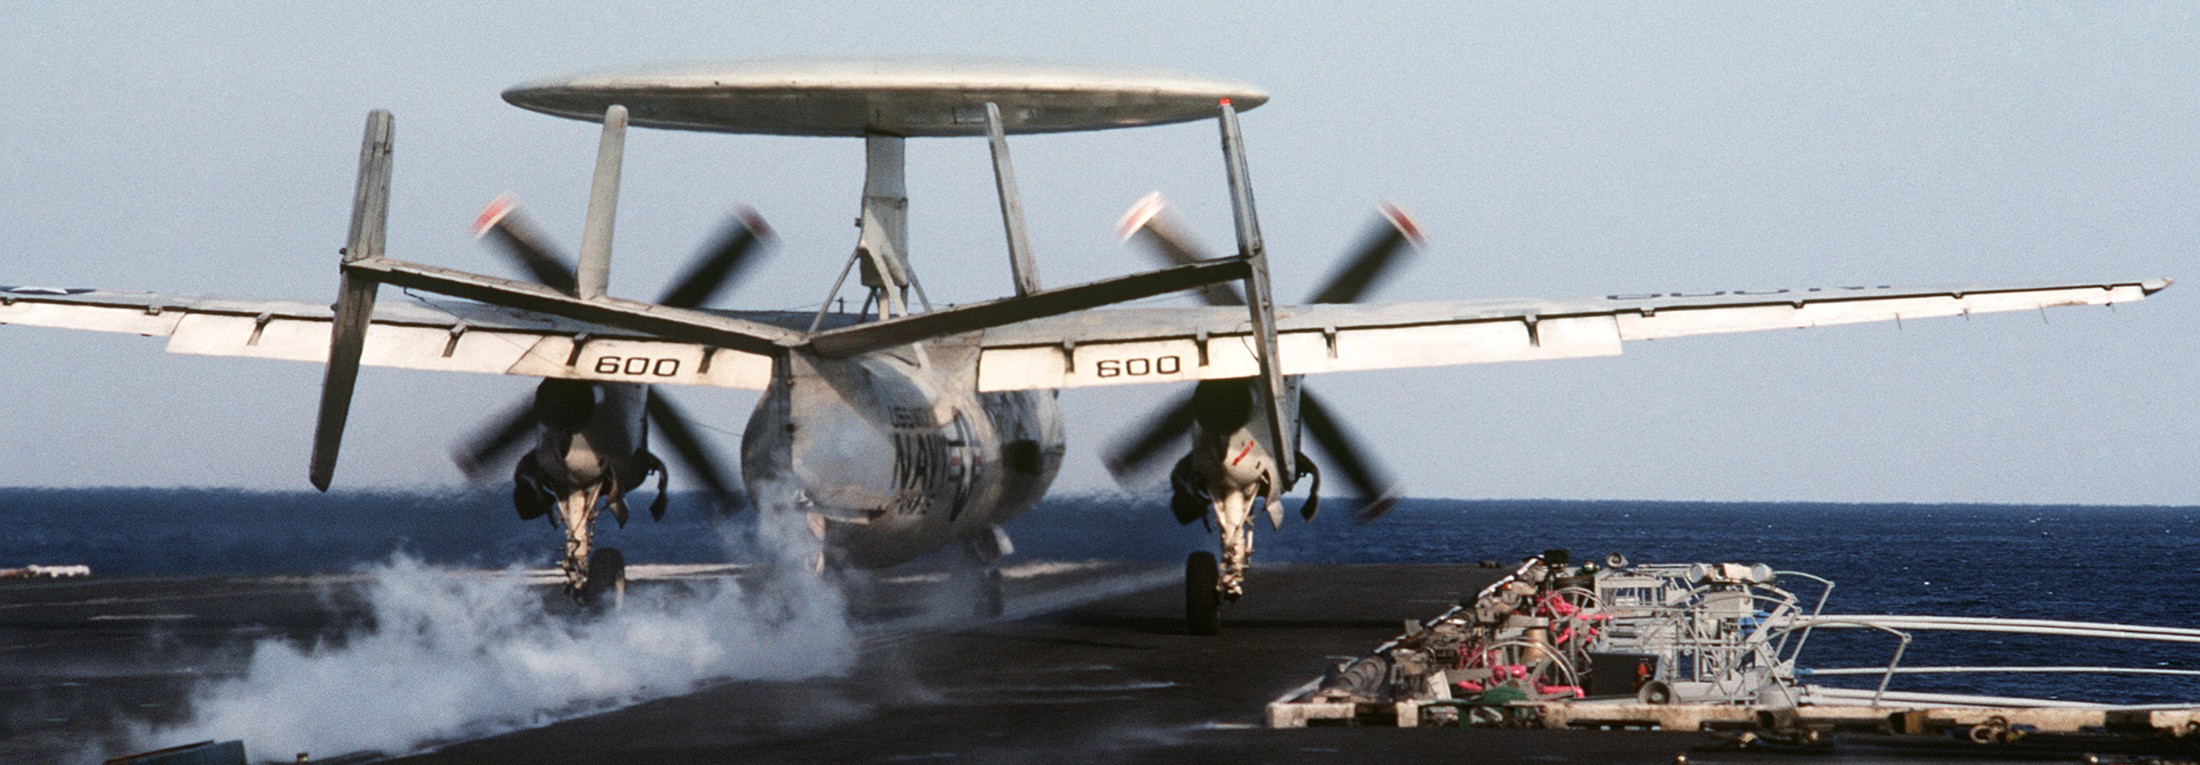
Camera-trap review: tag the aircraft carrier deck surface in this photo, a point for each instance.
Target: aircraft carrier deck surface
(1091, 664)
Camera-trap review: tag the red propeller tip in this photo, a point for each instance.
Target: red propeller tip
(493, 214)
(1404, 223)
(753, 221)
(1141, 213)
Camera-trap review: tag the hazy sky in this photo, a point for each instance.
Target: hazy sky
(1564, 153)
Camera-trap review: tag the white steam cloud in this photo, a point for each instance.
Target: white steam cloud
(452, 655)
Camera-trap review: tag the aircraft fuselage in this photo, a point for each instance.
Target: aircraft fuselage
(895, 454)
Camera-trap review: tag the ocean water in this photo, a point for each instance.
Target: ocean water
(2116, 564)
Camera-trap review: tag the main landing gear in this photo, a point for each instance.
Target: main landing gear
(1208, 581)
(981, 572)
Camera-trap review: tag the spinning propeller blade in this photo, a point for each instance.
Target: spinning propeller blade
(689, 450)
(1347, 457)
(1145, 222)
(1372, 259)
(518, 239)
(1134, 457)
(711, 272)
(1217, 405)
(719, 265)
(1170, 244)
(484, 457)
(567, 405)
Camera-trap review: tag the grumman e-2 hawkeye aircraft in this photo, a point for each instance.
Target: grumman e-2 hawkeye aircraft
(902, 428)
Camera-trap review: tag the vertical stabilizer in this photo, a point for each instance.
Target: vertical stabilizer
(1020, 261)
(370, 212)
(1270, 396)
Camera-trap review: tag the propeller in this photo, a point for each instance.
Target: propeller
(495, 443)
(1134, 458)
(518, 239)
(566, 405)
(561, 405)
(712, 270)
(720, 265)
(1348, 457)
(692, 454)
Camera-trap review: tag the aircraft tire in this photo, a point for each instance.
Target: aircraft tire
(606, 583)
(1202, 598)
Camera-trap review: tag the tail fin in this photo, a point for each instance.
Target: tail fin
(355, 297)
(1274, 401)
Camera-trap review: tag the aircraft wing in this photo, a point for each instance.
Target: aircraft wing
(1147, 345)
(1100, 347)
(440, 335)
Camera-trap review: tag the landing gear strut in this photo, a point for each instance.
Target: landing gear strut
(982, 567)
(1202, 595)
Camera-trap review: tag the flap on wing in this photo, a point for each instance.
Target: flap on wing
(465, 339)
(1303, 351)
(1105, 347)
(1145, 345)
(148, 319)
(1680, 317)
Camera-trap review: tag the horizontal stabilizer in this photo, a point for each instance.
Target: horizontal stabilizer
(861, 338)
(681, 324)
